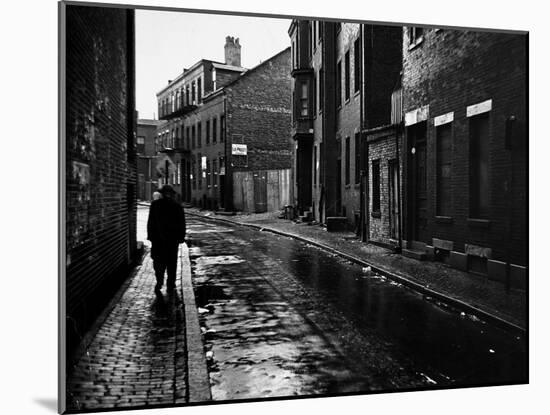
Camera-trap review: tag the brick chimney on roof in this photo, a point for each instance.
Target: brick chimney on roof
(232, 51)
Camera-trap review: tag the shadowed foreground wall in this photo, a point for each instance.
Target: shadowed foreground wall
(100, 160)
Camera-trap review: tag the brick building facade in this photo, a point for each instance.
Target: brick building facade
(228, 146)
(99, 159)
(415, 138)
(465, 115)
(147, 175)
(343, 78)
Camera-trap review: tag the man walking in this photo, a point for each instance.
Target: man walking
(165, 230)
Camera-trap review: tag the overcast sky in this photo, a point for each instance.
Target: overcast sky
(167, 42)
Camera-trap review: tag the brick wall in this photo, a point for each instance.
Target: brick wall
(450, 70)
(382, 147)
(258, 114)
(100, 159)
(210, 110)
(348, 120)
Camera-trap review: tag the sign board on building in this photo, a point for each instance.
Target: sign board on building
(238, 149)
(162, 162)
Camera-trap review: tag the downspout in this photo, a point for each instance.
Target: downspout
(362, 207)
(228, 190)
(398, 128)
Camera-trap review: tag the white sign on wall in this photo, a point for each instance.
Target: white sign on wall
(238, 149)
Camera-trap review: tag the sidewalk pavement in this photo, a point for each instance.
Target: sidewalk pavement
(144, 350)
(468, 292)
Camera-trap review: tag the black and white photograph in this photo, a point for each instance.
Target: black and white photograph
(290, 207)
(265, 207)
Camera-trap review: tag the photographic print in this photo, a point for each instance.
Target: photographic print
(263, 207)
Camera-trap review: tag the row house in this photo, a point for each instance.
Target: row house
(415, 138)
(225, 137)
(147, 176)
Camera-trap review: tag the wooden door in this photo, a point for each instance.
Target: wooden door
(260, 191)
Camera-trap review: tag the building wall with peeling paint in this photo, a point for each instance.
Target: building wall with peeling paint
(100, 159)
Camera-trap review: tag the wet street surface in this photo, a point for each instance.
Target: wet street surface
(283, 318)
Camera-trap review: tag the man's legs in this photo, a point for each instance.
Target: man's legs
(172, 265)
(159, 265)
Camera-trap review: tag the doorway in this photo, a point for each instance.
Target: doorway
(394, 198)
(417, 189)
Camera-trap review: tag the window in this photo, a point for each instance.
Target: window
(140, 144)
(347, 161)
(293, 54)
(199, 172)
(346, 75)
(188, 138)
(193, 136)
(222, 126)
(207, 132)
(320, 31)
(199, 135)
(315, 166)
(215, 172)
(173, 139)
(357, 64)
(444, 146)
(194, 172)
(357, 158)
(199, 90)
(193, 91)
(376, 186)
(339, 84)
(187, 97)
(415, 35)
(208, 175)
(214, 129)
(304, 110)
(479, 166)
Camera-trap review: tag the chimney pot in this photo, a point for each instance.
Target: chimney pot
(232, 51)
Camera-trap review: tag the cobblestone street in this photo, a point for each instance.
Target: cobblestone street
(138, 356)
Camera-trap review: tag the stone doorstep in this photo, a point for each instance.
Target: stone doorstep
(414, 254)
(496, 271)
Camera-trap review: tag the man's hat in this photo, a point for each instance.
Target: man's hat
(167, 189)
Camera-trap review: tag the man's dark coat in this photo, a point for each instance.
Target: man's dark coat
(166, 223)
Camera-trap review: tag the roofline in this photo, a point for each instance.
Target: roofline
(185, 72)
(256, 67)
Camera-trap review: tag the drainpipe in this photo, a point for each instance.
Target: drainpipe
(509, 134)
(398, 128)
(362, 207)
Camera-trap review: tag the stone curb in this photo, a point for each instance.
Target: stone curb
(197, 371)
(456, 303)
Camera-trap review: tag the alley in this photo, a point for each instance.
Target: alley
(283, 318)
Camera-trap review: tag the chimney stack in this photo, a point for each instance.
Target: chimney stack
(232, 51)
